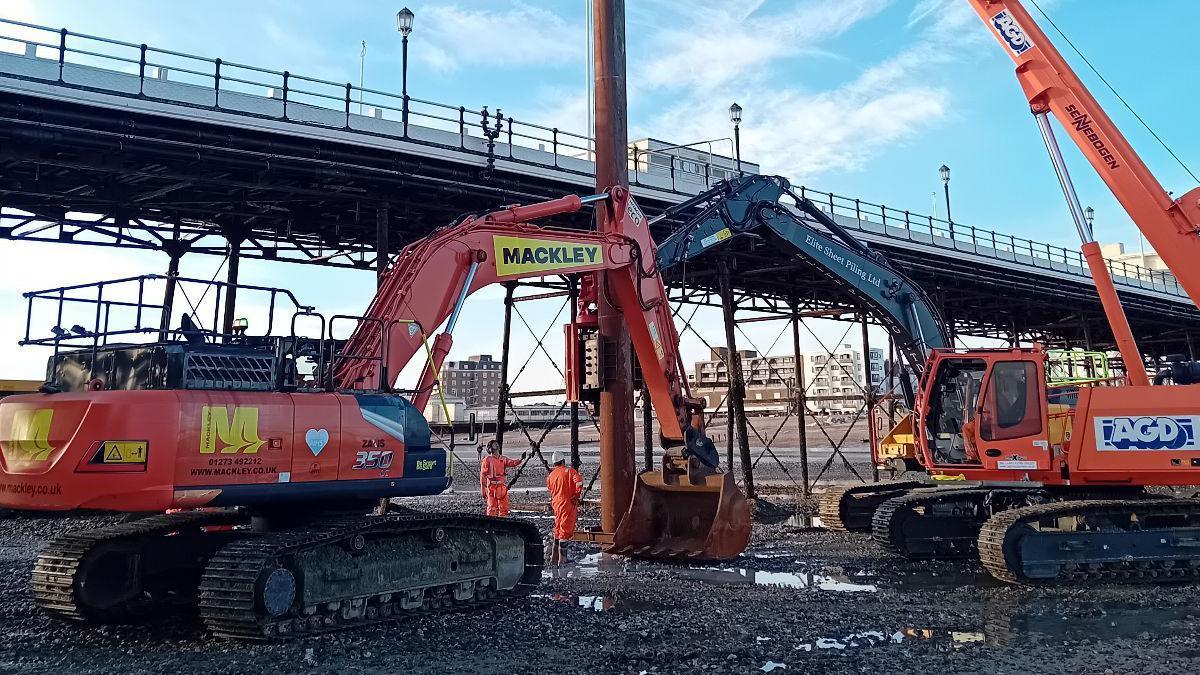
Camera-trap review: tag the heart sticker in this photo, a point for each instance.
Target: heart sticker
(316, 439)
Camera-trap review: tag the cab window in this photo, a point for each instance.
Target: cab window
(952, 403)
(1011, 406)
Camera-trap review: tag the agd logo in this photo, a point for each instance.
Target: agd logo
(220, 433)
(1010, 30)
(29, 436)
(1146, 433)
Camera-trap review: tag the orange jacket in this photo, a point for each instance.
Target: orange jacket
(494, 470)
(565, 485)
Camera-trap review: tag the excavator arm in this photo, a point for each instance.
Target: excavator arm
(430, 280)
(752, 206)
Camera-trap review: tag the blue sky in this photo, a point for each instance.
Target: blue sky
(865, 98)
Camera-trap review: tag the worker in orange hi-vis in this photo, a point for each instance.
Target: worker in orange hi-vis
(566, 486)
(493, 479)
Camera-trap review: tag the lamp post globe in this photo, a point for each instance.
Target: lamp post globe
(404, 24)
(735, 116)
(944, 172)
(404, 21)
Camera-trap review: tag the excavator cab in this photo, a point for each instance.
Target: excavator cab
(987, 410)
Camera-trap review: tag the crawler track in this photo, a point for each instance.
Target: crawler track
(941, 523)
(1116, 540)
(254, 588)
(59, 575)
(851, 508)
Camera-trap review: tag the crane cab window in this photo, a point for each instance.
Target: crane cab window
(952, 403)
(1011, 406)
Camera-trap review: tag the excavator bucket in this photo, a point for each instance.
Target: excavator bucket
(685, 511)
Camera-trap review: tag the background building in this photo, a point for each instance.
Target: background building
(697, 163)
(476, 381)
(1144, 263)
(1145, 257)
(833, 382)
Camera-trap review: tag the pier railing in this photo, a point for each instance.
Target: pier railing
(906, 225)
(91, 62)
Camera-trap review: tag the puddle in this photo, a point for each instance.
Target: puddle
(1007, 626)
(746, 577)
(1094, 623)
(601, 603)
(941, 579)
(590, 566)
(805, 520)
(593, 565)
(835, 579)
(868, 638)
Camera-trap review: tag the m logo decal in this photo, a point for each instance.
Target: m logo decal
(29, 437)
(219, 433)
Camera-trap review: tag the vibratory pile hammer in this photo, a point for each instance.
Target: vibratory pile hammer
(273, 451)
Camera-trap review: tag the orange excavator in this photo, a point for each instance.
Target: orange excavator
(1049, 481)
(272, 474)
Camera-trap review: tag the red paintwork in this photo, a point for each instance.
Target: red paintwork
(1084, 463)
(427, 278)
(172, 424)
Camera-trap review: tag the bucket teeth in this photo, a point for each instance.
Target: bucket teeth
(694, 517)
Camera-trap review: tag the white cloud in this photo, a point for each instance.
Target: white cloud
(925, 8)
(801, 134)
(11, 37)
(723, 41)
(453, 37)
(19, 10)
(558, 107)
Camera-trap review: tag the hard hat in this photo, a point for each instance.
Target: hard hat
(556, 458)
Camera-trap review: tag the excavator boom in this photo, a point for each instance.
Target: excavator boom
(752, 206)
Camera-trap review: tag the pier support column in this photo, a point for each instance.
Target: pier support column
(231, 278)
(869, 394)
(382, 219)
(737, 383)
(801, 404)
(175, 250)
(502, 406)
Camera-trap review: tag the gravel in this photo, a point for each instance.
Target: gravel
(813, 600)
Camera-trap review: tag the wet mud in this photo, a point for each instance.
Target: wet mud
(800, 599)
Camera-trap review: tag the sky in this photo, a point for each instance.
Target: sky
(865, 98)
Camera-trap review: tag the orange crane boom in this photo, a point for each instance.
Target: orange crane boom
(1172, 226)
